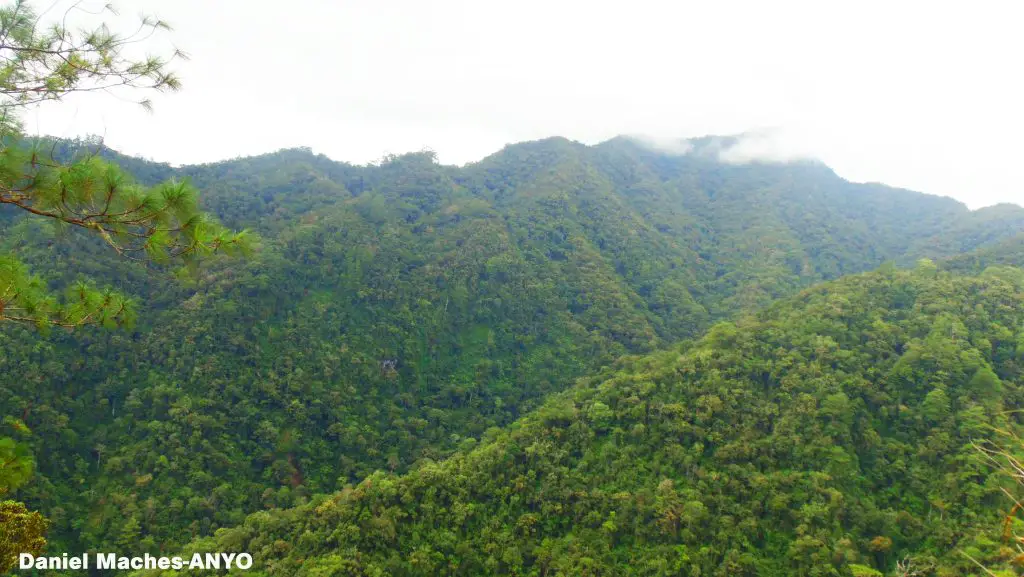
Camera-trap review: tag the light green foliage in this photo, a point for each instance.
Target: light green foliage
(926, 267)
(21, 531)
(864, 571)
(15, 465)
(985, 384)
(25, 297)
(935, 407)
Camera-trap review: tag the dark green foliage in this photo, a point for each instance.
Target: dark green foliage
(397, 313)
(1008, 252)
(830, 435)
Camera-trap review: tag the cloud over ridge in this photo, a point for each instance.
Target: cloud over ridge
(767, 146)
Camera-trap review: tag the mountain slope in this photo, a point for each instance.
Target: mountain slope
(1008, 252)
(832, 433)
(397, 312)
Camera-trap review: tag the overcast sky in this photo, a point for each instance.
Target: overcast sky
(923, 95)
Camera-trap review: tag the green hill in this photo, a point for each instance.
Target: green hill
(402, 311)
(1008, 252)
(832, 434)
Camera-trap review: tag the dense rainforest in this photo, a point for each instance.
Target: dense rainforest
(835, 433)
(400, 314)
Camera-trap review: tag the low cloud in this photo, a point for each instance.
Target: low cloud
(766, 146)
(669, 146)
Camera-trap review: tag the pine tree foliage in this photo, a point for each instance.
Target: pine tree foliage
(48, 61)
(39, 63)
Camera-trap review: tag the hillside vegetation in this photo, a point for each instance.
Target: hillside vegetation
(400, 312)
(836, 433)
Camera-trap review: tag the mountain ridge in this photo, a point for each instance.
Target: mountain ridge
(635, 140)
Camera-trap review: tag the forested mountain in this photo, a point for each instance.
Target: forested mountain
(1008, 252)
(399, 312)
(835, 433)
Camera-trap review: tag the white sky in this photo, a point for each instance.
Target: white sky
(923, 95)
